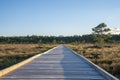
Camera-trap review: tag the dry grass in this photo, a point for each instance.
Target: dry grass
(108, 57)
(14, 53)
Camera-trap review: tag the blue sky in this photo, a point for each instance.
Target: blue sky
(56, 17)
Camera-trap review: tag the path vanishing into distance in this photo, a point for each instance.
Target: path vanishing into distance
(60, 63)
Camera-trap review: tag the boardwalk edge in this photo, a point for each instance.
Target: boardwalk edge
(99, 69)
(18, 65)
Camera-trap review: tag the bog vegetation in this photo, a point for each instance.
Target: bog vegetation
(108, 57)
(13, 53)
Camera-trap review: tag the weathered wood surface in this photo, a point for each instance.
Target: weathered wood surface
(58, 64)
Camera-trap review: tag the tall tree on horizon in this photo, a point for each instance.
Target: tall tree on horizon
(101, 33)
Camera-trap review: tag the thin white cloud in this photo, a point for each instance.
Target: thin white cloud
(115, 30)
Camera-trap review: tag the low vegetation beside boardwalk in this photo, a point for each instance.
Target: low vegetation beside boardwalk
(107, 57)
(13, 53)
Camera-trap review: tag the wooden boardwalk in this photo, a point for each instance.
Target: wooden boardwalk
(58, 64)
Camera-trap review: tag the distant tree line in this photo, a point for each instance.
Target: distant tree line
(54, 39)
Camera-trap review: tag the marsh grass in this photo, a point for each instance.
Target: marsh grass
(13, 53)
(107, 57)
